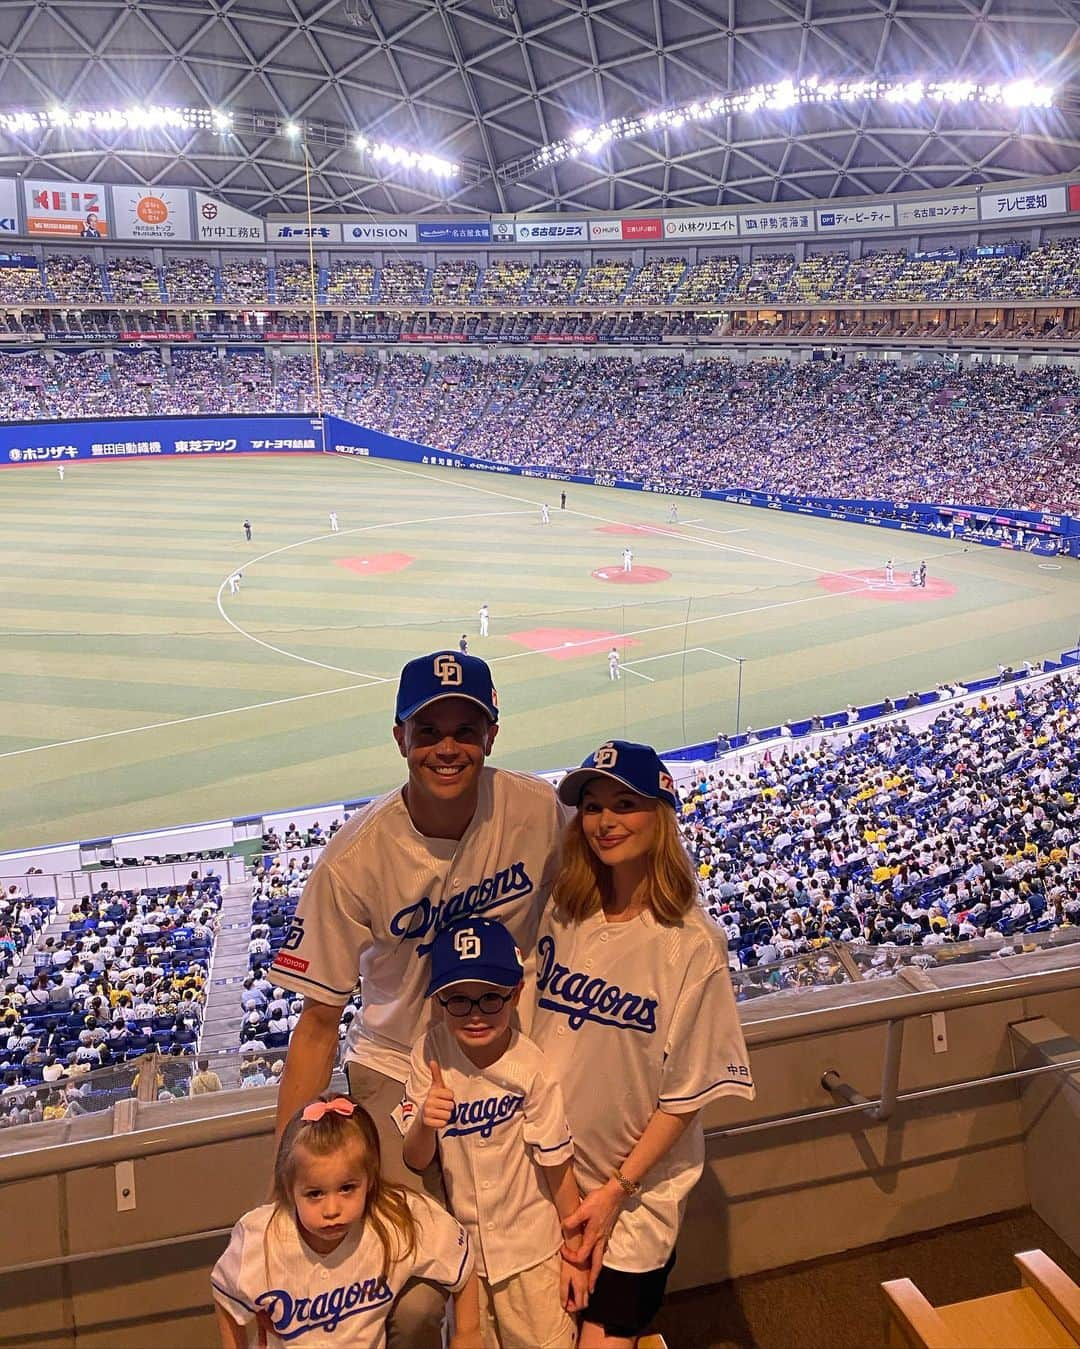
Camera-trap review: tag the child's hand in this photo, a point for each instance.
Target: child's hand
(439, 1105)
(573, 1287)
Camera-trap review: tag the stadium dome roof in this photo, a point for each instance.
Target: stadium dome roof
(487, 82)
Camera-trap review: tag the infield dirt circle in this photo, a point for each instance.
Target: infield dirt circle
(639, 576)
(872, 585)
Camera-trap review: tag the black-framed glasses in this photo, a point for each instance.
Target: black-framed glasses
(490, 1004)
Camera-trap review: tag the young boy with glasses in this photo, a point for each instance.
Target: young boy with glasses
(481, 1095)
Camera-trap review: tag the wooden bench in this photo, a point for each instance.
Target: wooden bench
(1044, 1313)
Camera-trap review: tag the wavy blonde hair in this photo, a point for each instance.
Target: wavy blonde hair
(584, 882)
(386, 1208)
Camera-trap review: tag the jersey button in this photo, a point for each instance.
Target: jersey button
(491, 1227)
(588, 964)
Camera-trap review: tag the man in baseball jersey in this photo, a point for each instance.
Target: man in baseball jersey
(545, 514)
(627, 559)
(484, 620)
(889, 572)
(247, 529)
(333, 522)
(613, 669)
(459, 839)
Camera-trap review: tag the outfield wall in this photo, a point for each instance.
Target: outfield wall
(25, 444)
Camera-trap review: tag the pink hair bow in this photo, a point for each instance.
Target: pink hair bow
(340, 1105)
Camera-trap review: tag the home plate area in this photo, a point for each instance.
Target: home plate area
(569, 643)
(639, 576)
(872, 584)
(376, 562)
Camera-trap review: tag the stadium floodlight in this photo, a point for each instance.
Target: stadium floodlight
(785, 95)
(151, 117)
(402, 157)
(291, 130)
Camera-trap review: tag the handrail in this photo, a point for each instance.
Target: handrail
(771, 1031)
(801, 1025)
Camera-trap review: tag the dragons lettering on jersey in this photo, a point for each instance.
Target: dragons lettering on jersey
(292, 1317)
(579, 998)
(427, 916)
(481, 1117)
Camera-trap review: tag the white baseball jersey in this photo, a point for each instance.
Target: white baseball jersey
(634, 1017)
(508, 1121)
(381, 890)
(341, 1299)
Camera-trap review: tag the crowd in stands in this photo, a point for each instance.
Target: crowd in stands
(891, 835)
(127, 975)
(883, 276)
(189, 281)
(999, 435)
(350, 282)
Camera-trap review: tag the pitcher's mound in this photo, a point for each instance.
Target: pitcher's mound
(640, 576)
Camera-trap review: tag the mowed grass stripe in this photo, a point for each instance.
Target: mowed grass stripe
(149, 544)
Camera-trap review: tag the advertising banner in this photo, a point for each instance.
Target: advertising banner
(449, 233)
(218, 223)
(642, 229)
(151, 213)
(690, 227)
(1074, 197)
(625, 231)
(1002, 205)
(774, 223)
(938, 211)
(552, 231)
(299, 231)
(855, 219)
(149, 437)
(378, 233)
(9, 206)
(65, 210)
(502, 231)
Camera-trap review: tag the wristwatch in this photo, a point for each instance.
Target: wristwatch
(628, 1187)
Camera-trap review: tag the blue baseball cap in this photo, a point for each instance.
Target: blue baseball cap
(476, 950)
(638, 767)
(445, 674)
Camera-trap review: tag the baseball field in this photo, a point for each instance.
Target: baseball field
(137, 691)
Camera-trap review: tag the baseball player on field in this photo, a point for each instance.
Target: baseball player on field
(480, 1094)
(633, 1004)
(628, 559)
(459, 840)
(484, 616)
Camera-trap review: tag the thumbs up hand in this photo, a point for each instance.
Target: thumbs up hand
(438, 1108)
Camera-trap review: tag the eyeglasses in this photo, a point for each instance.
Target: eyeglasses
(490, 1004)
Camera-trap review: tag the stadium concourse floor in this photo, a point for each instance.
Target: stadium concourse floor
(835, 1303)
(137, 691)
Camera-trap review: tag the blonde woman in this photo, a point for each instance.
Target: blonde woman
(635, 1013)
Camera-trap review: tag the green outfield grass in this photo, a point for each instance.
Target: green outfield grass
(136, 692)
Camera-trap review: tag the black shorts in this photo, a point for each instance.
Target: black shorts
(624, 1303)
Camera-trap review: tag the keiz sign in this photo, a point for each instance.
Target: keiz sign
(73, 211)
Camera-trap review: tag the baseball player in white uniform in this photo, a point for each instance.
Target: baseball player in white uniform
(545, 514)
(627, 559)
(60, 472)
(460, 839)
(484, 620)
(480, 1092)
(636, 1014)
(673, 514)
(333, 522)
(889, 572)
(614, 670)
(234, 582)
